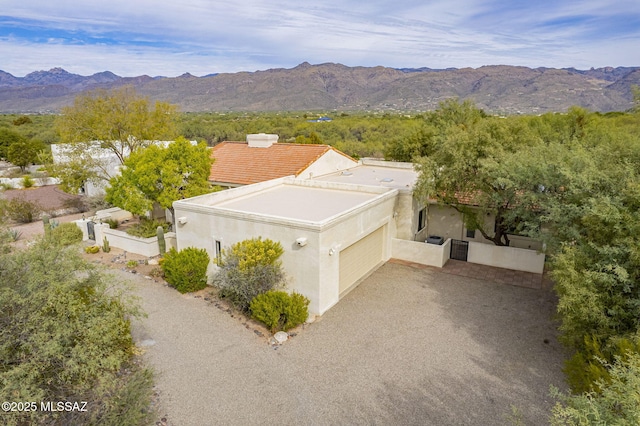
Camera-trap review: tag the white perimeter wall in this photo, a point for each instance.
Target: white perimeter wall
(422, 253)
(119, 239)
(506, 257)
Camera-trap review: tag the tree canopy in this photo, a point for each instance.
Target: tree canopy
(470, 162)
(119, 120)
(161, 175)
(107, 123)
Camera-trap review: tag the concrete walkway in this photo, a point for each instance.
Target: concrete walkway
(408, 346)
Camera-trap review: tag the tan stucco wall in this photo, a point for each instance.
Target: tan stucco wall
(423, 253)
(444, 222)
(405, 215)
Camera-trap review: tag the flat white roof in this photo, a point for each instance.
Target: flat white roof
(370, 175)
(306, 203)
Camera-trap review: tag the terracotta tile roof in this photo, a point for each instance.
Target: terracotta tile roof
(237, 163)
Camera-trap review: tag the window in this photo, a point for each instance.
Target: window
(218, 246)
(471, 233)
(422, 219)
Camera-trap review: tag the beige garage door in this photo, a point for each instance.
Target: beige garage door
(360, 258)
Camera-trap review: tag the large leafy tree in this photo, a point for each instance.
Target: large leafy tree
(472, 163)
(25, 152)
(161, 175)
(114, 122)
(9, 137)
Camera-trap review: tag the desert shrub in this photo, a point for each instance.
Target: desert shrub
(92, 249)
(96, 202)
(66, 234)
(280, 310)
(249, 268)
(588, 368)
(23, 211)
(616, 403)
(132, 264)
(76, 203)
(186, 270)
(66, 336)
(113, 223)
(147, 228)
(27, 181)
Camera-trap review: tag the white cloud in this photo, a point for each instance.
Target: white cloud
(199, 36)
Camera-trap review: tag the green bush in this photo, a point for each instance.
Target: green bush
(186, 270)
(147, 228)
(280, 310)
(23, 211)
(249, 268)
(113, 223)
(66, 234)
(66, 336)
(27, 181)
(92, 249)
(615, 403)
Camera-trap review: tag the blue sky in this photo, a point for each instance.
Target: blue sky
(159, 37)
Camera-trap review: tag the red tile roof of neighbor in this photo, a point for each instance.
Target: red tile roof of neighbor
(237, 163)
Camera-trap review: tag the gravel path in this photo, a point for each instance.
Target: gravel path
(408, 346)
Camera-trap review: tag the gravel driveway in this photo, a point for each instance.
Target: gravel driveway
(408, 346)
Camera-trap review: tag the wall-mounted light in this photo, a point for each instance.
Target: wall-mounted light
(182, 220)
(331, 252)
(301, 242)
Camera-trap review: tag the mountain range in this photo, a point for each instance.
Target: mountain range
(499, 89)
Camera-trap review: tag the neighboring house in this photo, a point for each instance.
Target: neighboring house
(262, 158)
(105, 161)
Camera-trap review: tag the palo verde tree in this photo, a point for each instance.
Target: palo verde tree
(117, 121)
(161, 175)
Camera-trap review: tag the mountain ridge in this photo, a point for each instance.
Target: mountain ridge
(503, 89)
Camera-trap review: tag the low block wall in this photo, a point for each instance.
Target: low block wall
(19, 182)
(514, 258)
(422, 253)
(143, 246)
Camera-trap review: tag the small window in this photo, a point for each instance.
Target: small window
(218, 252)
(471, 233)
(422, 219)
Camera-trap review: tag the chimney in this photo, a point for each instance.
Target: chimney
(261, 140)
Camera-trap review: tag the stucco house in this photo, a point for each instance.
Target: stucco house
(335, 229)
(262, 158)
(336, 226)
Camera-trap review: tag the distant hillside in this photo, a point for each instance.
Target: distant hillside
(497, 89)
